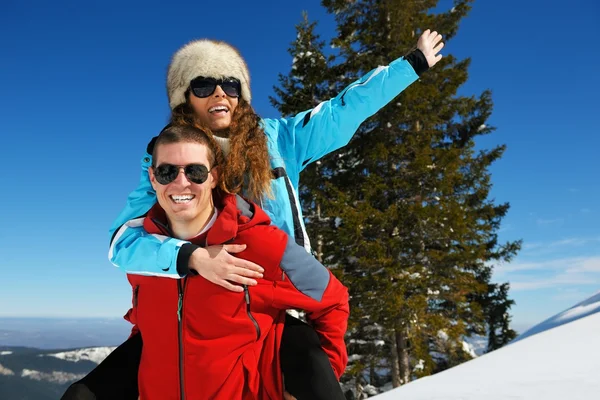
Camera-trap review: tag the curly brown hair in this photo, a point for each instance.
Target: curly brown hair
(246, 168)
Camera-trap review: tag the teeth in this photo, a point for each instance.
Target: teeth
(218, 108)
(182, 198)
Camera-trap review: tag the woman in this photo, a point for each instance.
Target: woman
(208, 84)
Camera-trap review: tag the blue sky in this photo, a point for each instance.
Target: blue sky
(83, 90)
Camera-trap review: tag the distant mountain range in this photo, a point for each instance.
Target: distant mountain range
(63, 333)
(31, 367)
(34, 374)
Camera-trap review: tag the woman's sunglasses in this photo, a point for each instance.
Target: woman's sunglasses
(167, 173)
(203, 87)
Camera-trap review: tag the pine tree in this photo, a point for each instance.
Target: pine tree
(412, 193)
(402, 213)
(497, 305)
(303, 89)
(305, 86)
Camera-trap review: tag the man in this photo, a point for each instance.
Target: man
(200, 339)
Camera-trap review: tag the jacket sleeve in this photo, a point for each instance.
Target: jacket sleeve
(310, 286)
(330, 125)
(134, 250)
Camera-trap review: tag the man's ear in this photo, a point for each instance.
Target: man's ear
(152, 177)
(215, 175)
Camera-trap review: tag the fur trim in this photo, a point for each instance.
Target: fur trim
(206, 58)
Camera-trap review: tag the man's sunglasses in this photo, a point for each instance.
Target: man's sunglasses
(167, 173)
(203, 87)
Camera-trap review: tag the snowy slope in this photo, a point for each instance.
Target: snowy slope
(556, 360)
(583, 309)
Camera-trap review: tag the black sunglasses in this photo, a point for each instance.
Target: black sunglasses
(167, 173)
(203, 87)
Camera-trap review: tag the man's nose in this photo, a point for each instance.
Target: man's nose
(181, 179)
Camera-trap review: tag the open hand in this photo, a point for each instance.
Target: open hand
(217, 265)
(430, 44)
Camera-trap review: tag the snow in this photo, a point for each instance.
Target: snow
(556, 360)
(442, 335)
(94, 354)
(472, 346)
(420, 365)
(5, 371)
(583, 309)
(477, 343)
(577, 312)
(470, 350)
(370, 390)
(54, 376)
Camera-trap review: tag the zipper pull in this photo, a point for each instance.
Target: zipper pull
(247, 295)
(179, 307)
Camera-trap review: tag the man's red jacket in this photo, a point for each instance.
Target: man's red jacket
(202, 341)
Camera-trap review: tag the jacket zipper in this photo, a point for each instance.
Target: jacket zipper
(362, 82)
(348, 88)
(181, 290)
(247, 297)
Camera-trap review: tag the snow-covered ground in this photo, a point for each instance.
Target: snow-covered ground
(54, 376)
(578, 311)
(94, 354)
(475, 345)
(556, 360)
(5, 371)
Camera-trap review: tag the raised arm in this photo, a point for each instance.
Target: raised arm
(330, 125)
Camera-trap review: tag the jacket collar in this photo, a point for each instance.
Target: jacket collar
(229, 222)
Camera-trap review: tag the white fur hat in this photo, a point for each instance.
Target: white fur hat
(208, 58)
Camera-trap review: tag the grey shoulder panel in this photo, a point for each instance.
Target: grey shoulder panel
(307, 274)
(245, 207)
